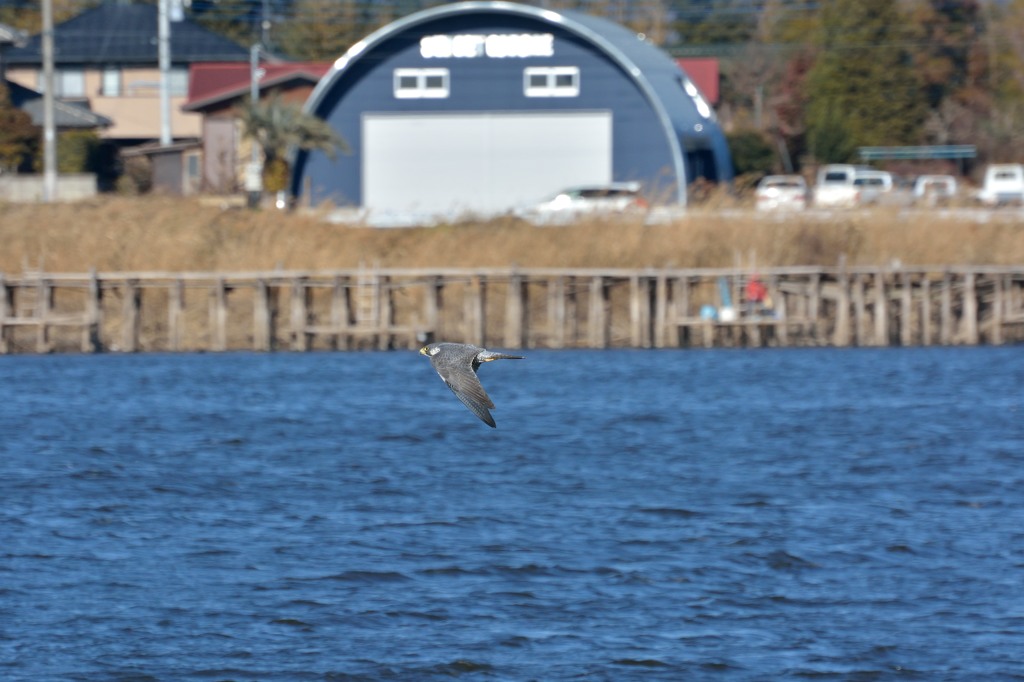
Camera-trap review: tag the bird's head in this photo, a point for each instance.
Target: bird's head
(429, 350)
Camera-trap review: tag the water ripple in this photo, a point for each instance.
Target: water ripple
(751, 516)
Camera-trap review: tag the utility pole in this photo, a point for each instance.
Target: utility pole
(254, 171)
(49, 124)
(164, 55)
(265, 25)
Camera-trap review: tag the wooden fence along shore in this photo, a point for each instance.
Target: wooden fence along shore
(379, 308)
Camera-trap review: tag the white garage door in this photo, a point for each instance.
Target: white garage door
(485, 163)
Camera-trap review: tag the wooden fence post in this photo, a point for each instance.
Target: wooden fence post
(572, 310)
(44, 303)
(433, 303)
(969, 321)
(946, 309)
(218, 316)
(6, 308)
(176, 314)
(299, 315)
(859, 310)
(515, 312)
(91, 341)
(814, 306)
(341, 312)
(387, 313)
(661, 311)
(926, 310)
(906, 309)
(131, 301)
(636, 335)
(881, 310)
(556, 312)
(476, 310)
(262, 329)
(598, 336)
(996, 335)
(841, 336)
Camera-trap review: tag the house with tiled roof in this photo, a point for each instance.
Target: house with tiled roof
(106, 59)
(67, 115)
(217, 90)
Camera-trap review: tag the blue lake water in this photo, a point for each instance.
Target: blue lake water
(747, 515)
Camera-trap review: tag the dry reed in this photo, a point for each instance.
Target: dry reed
(154, 233)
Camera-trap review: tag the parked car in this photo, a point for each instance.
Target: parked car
(616, 198)
(1004, 184)
(841, 185)
(934, 190)
(834, 186)
(781, 192)
(872, 186)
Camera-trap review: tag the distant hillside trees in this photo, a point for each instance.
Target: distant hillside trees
(824, 78)
(864, 88)
(1000, 132)
(322, 29)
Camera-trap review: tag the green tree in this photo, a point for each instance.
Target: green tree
(947, 39)
(788, 106)
(233, 19)
(19, 138)
(28, 16)
(718, 22)
(1004, 80)
(278, 127)
(863, 89)
(752, 153)
(950, 52)
(77, 150)
(322, 29)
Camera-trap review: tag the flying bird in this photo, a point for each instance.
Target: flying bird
(457, 363)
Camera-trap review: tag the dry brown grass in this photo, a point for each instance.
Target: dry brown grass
(119, 234)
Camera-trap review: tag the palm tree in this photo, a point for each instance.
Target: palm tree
(278, 127)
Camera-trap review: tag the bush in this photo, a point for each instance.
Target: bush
(137, 177)
(752, 153)
(77, 150)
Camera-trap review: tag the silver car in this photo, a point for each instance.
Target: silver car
(617, 198)
(781, 193)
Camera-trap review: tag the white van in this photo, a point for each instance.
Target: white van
(1004, 184)
(842, 185)
(834, 186)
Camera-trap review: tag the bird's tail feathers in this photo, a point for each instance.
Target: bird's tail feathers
(487, 356)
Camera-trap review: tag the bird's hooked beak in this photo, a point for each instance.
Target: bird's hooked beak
(423, 351)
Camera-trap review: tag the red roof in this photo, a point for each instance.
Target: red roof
(213, 82)
(703, 71)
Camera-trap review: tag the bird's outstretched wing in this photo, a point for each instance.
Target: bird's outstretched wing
(467, 387)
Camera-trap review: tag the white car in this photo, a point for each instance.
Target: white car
(617, 198)
(834, 187)
(1004, 184)
(781, 193)
(872, 186)
(932, 190)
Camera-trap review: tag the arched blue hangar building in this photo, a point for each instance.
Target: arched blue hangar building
(484, 106)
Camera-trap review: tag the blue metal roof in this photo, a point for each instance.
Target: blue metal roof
(116, 33)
